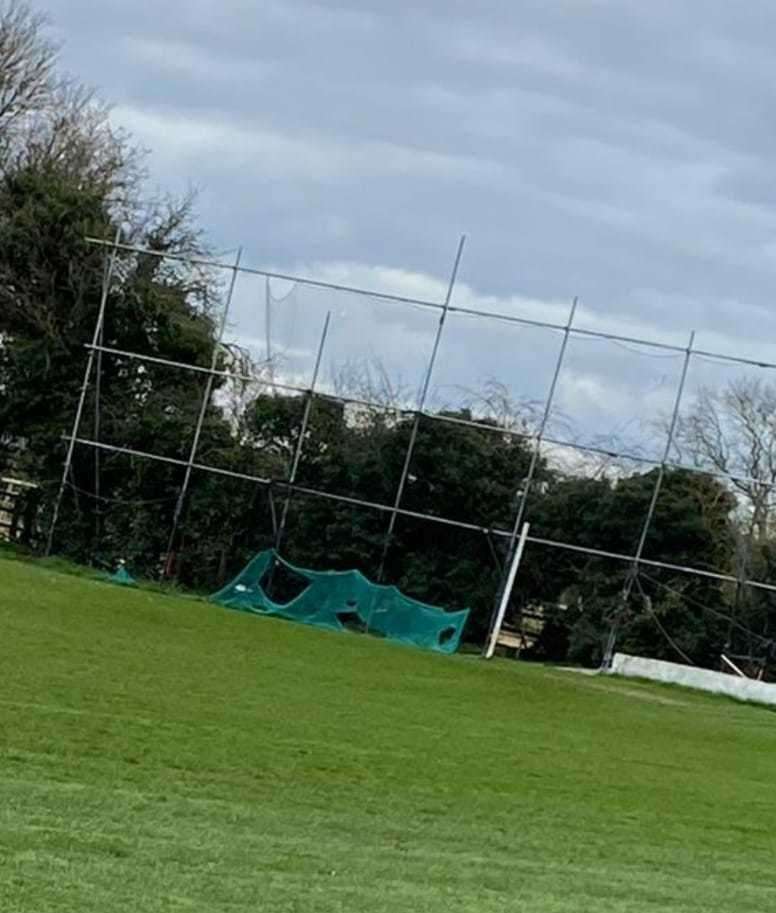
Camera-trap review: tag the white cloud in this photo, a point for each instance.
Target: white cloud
(187, 59)
(188, 140)
(585, 147)
(530, 52)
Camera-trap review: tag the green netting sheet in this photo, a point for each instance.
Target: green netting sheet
(341, 600)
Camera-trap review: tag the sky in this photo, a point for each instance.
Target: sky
(615, 150)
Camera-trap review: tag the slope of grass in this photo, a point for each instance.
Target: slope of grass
(160, 754)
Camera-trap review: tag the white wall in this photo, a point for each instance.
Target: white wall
(745, 689)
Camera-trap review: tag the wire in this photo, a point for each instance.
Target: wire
(637, 351)
(721, 360)
(700, 605)
(671, 641)
(128, 502)
(279, 300)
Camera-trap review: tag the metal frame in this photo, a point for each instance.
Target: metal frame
(308, 406)
(436, 305)
(107, 278)
(417, 515)
(515, 548)
(431, 416)
(632, 577)
(421, 406)
(537, 448)
(206, 397)
(96, 350)
(507, 579)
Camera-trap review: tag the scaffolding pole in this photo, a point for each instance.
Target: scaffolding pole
(535, 456)
(206, 397)
(537, 448)
(98, 431)
(107, 278)
(308, 406)
(634, 570)
(420, 407)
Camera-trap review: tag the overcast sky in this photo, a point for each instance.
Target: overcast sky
(620, 151)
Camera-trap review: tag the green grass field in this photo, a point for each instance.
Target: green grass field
(162, 754)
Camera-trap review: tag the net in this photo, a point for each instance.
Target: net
(340, 600)
(122, 577)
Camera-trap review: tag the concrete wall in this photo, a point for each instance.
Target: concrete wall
(745, 689)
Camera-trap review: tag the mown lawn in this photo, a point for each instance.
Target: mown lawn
(161, 754)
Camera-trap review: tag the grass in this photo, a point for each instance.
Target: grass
(160, 754)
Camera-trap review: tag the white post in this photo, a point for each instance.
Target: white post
(732, 665)
(505, 596)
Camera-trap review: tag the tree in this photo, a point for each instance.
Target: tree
(733, 431)
(27, 60)
(691, 526)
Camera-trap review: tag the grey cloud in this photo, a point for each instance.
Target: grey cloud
(615, 149)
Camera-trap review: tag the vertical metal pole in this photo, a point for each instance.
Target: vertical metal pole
(201, 418)
(272, 512)
(633, 573)
(421, 406)
(267, 318)
(507, 592)
(107, 277)
(97, 433)
(268, 329)
(302, 431)
(537, 449)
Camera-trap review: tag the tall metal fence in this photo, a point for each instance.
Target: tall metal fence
(315, 322)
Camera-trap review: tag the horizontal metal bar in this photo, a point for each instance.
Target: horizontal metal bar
(347, 400)
(602, 451)
(478, 425)
(130, 451)
(507, 318)
(6, 480)
(217, 264)
(432, 416)
(459, 524)
(369, 404)
(199, 369)
(737, 359)
(633, 340)
(420, 302)
(574, 331)
(530, 436)
(299, 489)
(679, 568)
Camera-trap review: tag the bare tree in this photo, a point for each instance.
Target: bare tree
(27, 59)
(369, 380)
(250, 378)
(733, 431)
(48, 119)
(494, 402)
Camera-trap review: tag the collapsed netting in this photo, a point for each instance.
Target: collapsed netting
(339, 601)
